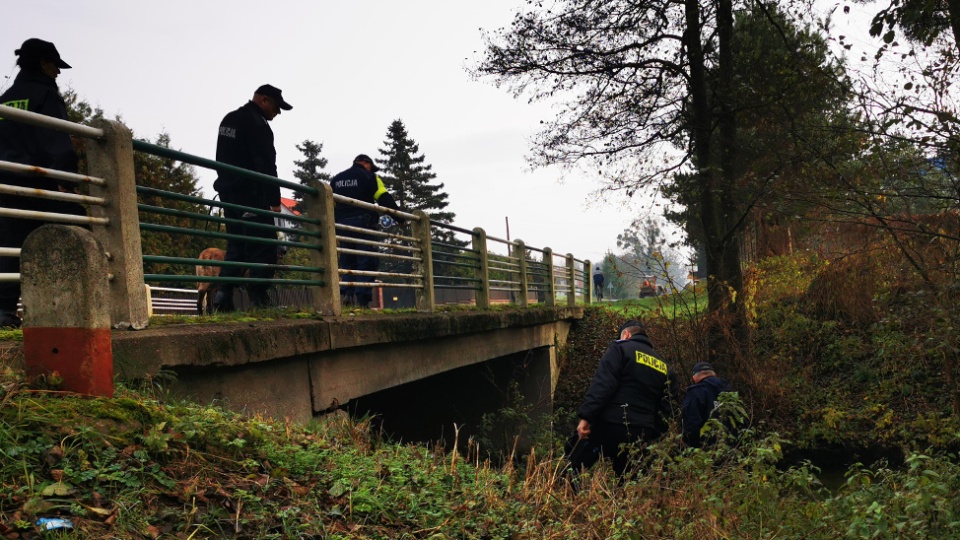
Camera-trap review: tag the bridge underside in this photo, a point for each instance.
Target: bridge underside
(298, 369)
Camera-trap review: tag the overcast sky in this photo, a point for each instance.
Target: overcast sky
(348, 69)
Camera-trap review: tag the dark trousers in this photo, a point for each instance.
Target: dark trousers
(349, 261)
(607, 441)
(598, 285)
(251, 251)
(13, 231)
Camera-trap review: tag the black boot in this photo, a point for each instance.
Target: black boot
(223, 300)
(259, 297)
(9, 320)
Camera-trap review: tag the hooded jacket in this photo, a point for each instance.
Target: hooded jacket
(698, 403)
(632, 385)
(31, 145)
(245, 140)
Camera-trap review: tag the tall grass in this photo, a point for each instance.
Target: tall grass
(136, 467)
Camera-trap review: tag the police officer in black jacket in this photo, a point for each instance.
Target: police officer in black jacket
(362, 183)
(700, 401)
(35, 90)
(628, 401)
(246, 140)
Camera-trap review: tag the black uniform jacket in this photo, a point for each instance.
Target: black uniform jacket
(43, 147)
(698, 403)
(631, 386)
(363, 185)
(246, 140)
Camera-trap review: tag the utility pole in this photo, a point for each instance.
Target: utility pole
(507, 220)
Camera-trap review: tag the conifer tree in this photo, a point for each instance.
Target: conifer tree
(408, 177)
(310, 168)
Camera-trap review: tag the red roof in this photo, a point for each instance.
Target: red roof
(289, 203)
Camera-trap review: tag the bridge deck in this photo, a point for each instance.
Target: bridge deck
(300, 368)
(234, 344)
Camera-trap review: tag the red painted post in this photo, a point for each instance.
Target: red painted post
(66, 309)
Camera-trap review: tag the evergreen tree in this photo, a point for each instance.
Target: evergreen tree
(408, 177)
(78, 110)
(309, 168)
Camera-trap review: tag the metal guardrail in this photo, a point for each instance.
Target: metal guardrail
(206, 218)
(20, 169)
(426, 257)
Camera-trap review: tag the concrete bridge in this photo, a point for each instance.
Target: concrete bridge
(81, 286)
(443, 368)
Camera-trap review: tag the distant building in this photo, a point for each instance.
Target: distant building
(287, 208)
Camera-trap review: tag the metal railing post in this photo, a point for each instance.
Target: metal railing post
(551, 299)
(111, 158)
(588, 282)
(326, 298)
(520, 253)
(572, 272)
(426, 299)
(483, 272)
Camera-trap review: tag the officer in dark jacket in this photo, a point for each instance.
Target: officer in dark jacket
(246, 140)
(699, 401)
(629, 399)
(35, 90)
(359, 182)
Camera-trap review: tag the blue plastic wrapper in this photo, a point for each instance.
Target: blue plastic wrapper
(55, 523)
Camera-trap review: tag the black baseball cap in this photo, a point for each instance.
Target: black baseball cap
(363, 158)
(276, 94)
(631, 323)
(40, 49)
(702, 366)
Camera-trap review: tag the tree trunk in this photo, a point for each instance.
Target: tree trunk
(717, 175)
(953, 8)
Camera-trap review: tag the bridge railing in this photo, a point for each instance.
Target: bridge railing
(12, 190)
(110, 200)
(192, 210)
(459, 275)
(434, 256)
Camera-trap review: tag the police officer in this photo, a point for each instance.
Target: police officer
(700, 401)
(362, 183)
(35, 90)
(629, 398)
(246, 140)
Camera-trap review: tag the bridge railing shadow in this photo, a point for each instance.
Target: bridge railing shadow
(142, 227)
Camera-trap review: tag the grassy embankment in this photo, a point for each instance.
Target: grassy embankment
(143, 466)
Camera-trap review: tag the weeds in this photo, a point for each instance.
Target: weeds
(134, 467)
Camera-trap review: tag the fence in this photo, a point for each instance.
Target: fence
(425, 256)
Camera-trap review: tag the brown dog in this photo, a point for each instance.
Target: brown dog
(205, 289)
